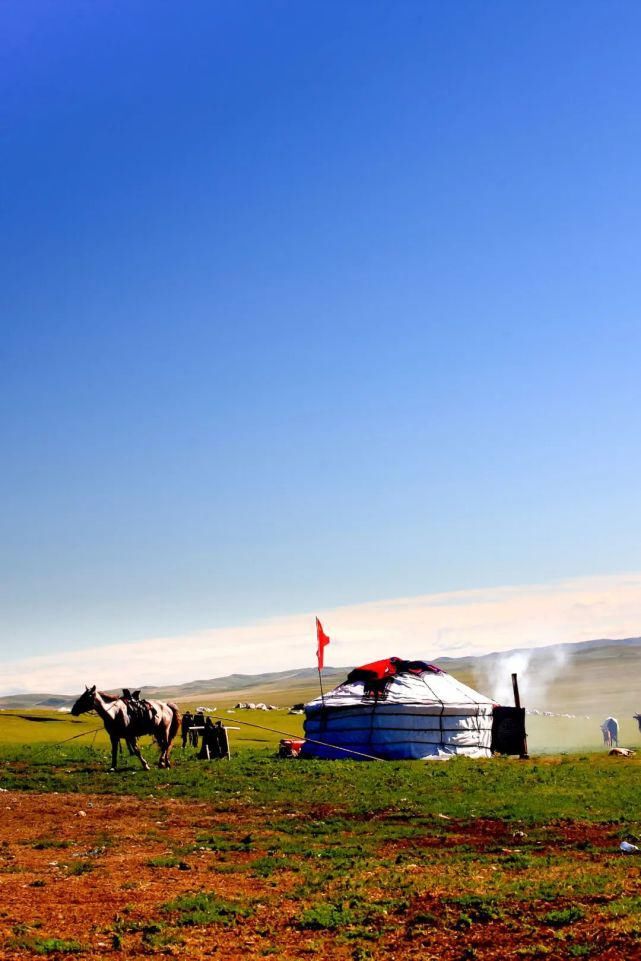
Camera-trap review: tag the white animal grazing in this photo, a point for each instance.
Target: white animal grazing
(610, 731)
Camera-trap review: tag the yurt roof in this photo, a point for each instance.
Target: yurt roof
(398, 681)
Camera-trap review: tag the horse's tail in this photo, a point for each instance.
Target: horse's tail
(174, 726)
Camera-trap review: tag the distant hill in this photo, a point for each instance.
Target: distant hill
(49, 701)
(243, 685)
(248, 682)
(590, 677)
(586, 678)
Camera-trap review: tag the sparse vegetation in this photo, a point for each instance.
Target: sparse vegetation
(474, 859)
(75, 868)
(327, 917)
(558, 919)
(202, 908)
(164, 861)
(50, 946)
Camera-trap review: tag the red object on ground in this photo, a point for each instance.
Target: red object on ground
(323, 641)
(290, 747)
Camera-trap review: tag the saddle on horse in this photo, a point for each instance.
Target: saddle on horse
(141, 712)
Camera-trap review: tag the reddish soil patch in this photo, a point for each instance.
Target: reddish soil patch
(95, 872)
(45, 839)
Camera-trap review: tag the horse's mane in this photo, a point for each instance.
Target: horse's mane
(110, 697)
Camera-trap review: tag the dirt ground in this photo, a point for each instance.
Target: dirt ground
(90, 877)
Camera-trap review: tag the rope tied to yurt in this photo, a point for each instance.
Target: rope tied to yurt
(309, 740)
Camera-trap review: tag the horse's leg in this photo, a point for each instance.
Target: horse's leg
(169, 742)
(162, 737)
(134, 749)
(114, 752)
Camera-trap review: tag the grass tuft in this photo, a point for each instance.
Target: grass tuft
(563, 917)
(204, 908)
(51, 946)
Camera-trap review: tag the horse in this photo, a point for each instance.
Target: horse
(161, 720)
(610, 731)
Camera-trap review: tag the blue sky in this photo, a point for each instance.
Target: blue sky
(308, 305)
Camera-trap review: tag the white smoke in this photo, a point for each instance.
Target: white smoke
(535, 671)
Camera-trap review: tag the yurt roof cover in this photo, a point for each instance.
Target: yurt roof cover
(396, 680)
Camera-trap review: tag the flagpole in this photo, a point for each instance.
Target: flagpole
(320, 681)
(321, 641)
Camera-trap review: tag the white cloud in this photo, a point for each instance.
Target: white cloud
(432, 625)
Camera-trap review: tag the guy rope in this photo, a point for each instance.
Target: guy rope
(94, 731)
(260, 727)
(310, 740)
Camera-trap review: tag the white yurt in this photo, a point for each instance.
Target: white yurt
(399, 710)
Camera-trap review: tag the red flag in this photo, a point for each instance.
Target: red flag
(323, 641)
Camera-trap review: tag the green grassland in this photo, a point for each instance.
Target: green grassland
(353, 860)
(545, 734)
(587, 787)
(53, 751)
(39, 728)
